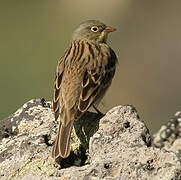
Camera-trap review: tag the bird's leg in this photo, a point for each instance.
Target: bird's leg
(97, 110)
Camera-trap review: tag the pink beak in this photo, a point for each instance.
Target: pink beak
(109, 29)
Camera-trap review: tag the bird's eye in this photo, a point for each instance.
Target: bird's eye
(94, 28)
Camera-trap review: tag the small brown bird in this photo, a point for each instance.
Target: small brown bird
(83, 75)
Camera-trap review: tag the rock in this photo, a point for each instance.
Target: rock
(22, 146)
(120, 149)
(169, 136)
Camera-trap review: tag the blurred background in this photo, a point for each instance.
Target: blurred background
(34, 34)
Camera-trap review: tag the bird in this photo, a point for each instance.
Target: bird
(83, 75)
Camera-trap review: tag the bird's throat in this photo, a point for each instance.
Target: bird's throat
(103, 37)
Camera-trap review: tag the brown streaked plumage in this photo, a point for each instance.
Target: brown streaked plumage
(83, 75)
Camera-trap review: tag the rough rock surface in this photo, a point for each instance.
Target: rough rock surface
(120, 149)
(168, 133)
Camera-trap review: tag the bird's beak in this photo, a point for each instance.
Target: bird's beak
(104, 34)
(109, 29)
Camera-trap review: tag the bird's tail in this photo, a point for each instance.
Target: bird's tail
(61, 146)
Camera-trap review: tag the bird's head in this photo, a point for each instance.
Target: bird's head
(92, 30)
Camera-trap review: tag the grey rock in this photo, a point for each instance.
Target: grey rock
(22, 146)
(168, 136)
(117, 146)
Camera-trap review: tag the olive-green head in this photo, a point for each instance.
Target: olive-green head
(92, 30)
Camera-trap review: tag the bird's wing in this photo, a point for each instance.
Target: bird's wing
(57, 85)
(97, 78)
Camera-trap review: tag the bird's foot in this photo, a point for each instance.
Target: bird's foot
(97, 110)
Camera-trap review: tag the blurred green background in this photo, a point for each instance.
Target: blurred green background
(35, 33)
